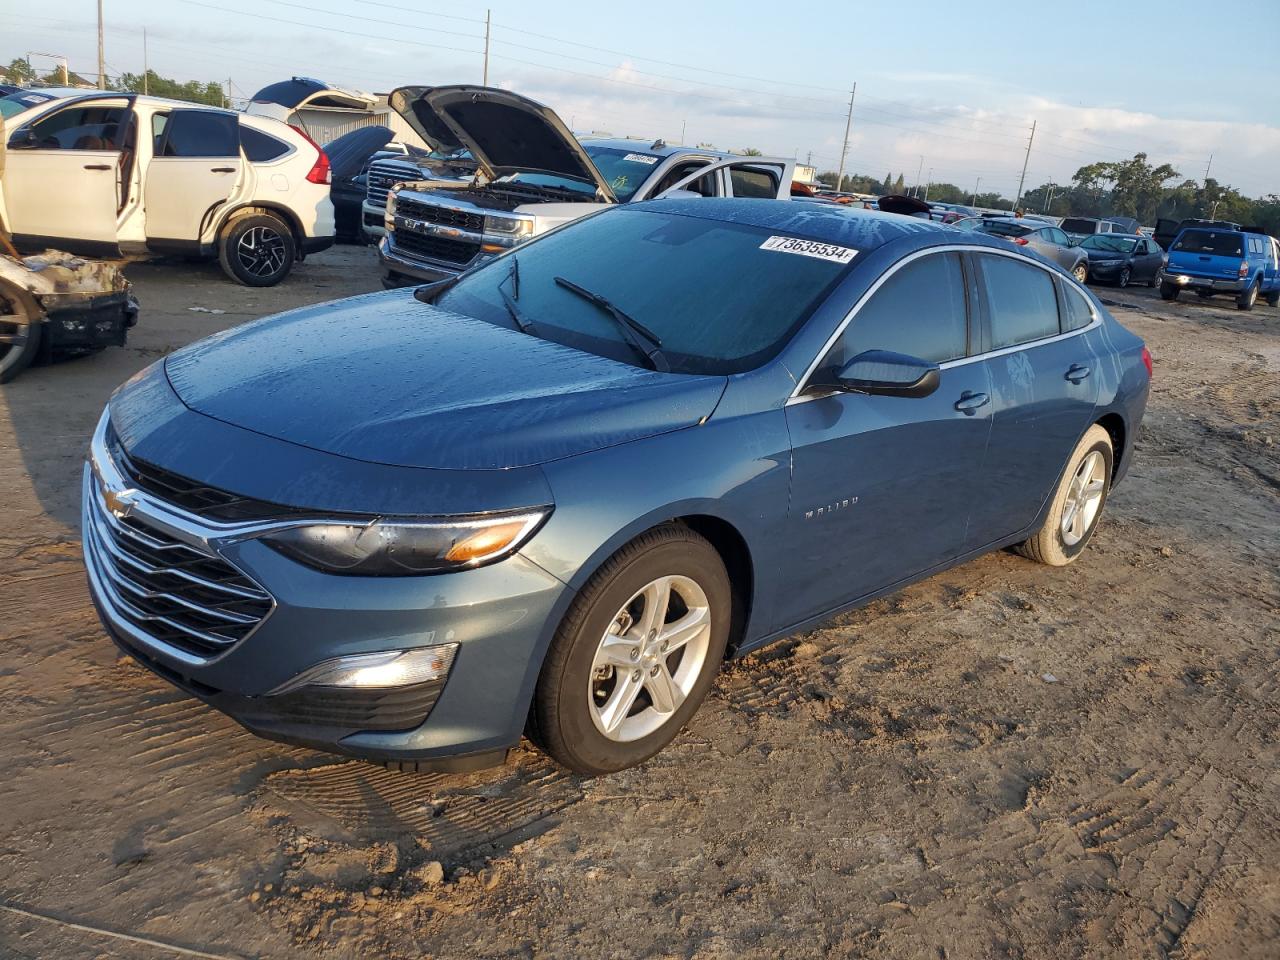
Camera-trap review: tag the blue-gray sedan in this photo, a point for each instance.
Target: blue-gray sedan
(552, 495)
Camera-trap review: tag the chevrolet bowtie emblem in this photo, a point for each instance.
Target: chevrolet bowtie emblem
(119, 502)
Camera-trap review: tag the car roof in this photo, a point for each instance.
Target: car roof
(830, 223)
(139, 98)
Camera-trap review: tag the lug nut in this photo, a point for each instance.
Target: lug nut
(654, 672)
(652, 634)
(666, 645)
(636, 676)
(635, 653)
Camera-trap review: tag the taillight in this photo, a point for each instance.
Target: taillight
(319, 172)
(1244, 269)
(1146, 362)
(1020, 241)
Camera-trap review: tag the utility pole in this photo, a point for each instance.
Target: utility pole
(1206, 168)
(927, 184)
(487, 19)
(145, 78)
(102, 63)
(974, 201)
(227, 96)
(1025, 159)
(844, 149)
(919, 170)
(684, 125)
(1049, 200)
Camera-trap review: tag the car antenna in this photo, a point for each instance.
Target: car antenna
(658, 144)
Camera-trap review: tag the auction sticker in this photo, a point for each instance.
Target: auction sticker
(810, 248)
(641, 158)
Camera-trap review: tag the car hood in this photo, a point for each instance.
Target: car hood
(385, 379)
(1103, 255)
(349, 153)
(505, 132)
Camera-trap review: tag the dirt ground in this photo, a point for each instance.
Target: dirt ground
(1004, 761)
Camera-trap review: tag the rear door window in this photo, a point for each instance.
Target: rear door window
(1021, 302)
(201, 133)
(1076, 313)
(1213, 242)
(920, 311)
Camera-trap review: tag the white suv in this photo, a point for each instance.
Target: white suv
(120, 175)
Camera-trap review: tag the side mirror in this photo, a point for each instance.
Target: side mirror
(883, 373)
(24, 139)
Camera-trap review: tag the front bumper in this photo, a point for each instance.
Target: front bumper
(1192, 282)
(75, 322)
(500, 616)
(1105, 268)
(403, 268)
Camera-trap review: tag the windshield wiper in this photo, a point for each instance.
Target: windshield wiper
(633, 331)
(509, 299)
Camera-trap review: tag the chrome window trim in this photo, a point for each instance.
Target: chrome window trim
(798, 395)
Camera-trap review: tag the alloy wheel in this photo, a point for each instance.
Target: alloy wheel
(650, 658)
(1081, 272)
(1084, 498)
(261, 251)
(15, 331)
(1125, 274)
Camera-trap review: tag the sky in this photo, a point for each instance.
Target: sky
(950, 100)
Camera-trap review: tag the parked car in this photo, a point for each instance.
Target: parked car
(54, 304)
(1080, 227)
(1166, 231)
(120, 175)
(553, 498)
(533, 175)
(349, 158)
(442, 166)
(1121, 258)
(1048, 241)
(1211, 261)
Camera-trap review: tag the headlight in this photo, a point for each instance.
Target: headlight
(508, 226)
(405, 548)
(391, 207)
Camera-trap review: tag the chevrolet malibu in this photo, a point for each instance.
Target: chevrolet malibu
(552, 495)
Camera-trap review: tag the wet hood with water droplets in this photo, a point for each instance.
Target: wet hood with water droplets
(385, 379)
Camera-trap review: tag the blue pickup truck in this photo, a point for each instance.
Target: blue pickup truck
(1241, 262)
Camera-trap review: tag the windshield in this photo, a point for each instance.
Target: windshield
(1079, 225)
(623, 170)
(721, 297)
(1210, 241)
(1101, 241)
(550, 181)
(15, 103)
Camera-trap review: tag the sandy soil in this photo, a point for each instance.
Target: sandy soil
(1004, 761)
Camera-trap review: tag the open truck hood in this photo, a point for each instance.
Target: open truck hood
(505, 132)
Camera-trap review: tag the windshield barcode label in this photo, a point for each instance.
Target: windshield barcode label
(810, 248)
(640, 158)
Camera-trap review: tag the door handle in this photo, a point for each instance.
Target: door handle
(969, 402)
(1077, 372)
(97, 166)
(222, 169)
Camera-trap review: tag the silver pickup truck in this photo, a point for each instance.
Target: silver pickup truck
(532, 175)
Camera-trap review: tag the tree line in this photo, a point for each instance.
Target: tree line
(1129, 188)
(19, 71)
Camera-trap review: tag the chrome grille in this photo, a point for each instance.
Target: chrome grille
(169, 590)
(445, 216)
(385, 174)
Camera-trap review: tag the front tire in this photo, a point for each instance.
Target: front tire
(1168, 291)
(1077, 504)
(1081, 271)
(1248, 297)
(257, 250)
(635, 655)
(19, 335)
(1125, 275)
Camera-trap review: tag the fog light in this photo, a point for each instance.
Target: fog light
(377, 671)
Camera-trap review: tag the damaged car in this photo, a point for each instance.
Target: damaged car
(532, 175)
(56, 304)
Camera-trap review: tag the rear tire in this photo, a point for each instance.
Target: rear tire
(1248, 297)
(1077, 503)
(1168, 291)
(595, 717)
(1273, 299)
(1125, 275)
(1154, 280)
(1081, 272)
(21, 335)
(257, 250)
